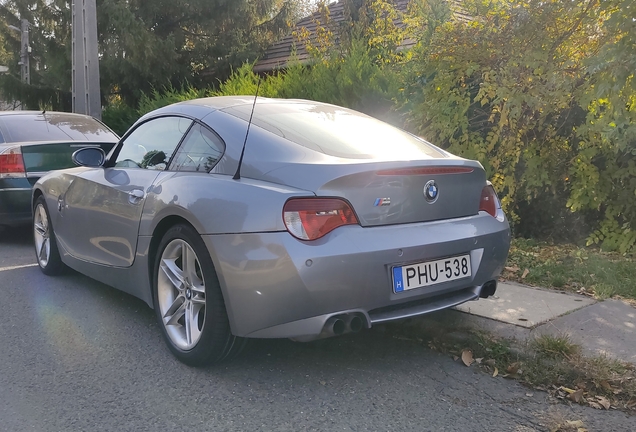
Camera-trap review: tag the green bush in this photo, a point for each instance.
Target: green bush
(119, 117)
(519, 88)
(169, 95)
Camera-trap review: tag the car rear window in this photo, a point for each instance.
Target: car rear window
(54, 127)
(336, 131)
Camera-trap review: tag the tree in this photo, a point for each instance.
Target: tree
(50, 36)
(542, 93)
(146, 44)
(151, 43)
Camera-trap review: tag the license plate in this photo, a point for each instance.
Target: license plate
(430, 273)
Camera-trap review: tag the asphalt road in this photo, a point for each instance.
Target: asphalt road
(78, 355)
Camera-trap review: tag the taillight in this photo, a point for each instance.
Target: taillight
(312, 218)
(489, 201)
(11, 163)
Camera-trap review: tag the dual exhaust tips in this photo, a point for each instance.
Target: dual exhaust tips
(341, 324)
(354, 322)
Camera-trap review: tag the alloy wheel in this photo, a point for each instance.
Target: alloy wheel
(181, 294)
(41, 235)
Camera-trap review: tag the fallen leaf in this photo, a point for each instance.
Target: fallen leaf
(525, 273)
(479, 360)
(606, 385)
(455, 358)
(490, 362)
(513, 368)
(529, 394)
(514, 269)
(495, 373)
(323, 382)
(467, 357)
(577, 396)
(603, 402)
(567, 390)
(594, 405)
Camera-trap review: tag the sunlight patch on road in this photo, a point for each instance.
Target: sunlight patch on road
(2, 269)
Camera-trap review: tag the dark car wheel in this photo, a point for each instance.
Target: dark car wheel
(46, 251)
(188, 300)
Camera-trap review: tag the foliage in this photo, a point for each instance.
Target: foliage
(49, 35)
(518, 87)
(148, 44)
(555, 346)
(119, 116)
(541, 92)
(32, 96)
(169, 95)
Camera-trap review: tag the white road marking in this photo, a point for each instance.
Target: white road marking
(17, 267)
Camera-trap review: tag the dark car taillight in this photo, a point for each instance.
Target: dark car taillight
(11, 163)
(489, 201)
(312, 218)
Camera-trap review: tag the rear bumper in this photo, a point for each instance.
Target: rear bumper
(15, 202)
(277, 286)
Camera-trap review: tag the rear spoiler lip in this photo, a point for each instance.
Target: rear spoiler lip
(429, 170)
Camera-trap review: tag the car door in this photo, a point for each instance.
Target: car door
(101, 209)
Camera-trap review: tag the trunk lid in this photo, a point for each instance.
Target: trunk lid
(386, 193)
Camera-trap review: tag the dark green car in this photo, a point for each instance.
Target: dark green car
(35, 142)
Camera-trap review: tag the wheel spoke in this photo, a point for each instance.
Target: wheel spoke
(43, 254)
(189, 263)
(175, 311)
(44, 220)
(192, 323)
(39, 228)
(39, 239)
(173, 272)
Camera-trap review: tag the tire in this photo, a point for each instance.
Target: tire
(47, 254)
(188, 300)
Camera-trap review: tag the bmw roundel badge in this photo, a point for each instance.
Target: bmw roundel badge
(431, 191)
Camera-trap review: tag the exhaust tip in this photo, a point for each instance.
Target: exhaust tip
(338, 327)
(355, 324)
(488, 289)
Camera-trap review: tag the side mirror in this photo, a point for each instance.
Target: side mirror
(89, 157)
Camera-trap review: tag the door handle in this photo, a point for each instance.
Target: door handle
(135, 195)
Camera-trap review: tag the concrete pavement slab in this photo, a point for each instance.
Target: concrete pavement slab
(607, 327)
(525, 306)
(522, 313)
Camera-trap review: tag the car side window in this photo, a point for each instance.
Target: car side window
(200, 151)
(153, 143)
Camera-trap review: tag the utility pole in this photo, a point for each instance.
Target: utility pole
(25, 50)
(86, 92)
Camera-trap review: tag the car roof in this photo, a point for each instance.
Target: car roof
(199, 108)
(37, 113)
(49, 126)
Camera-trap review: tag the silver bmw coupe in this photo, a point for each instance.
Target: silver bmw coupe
(238, 218)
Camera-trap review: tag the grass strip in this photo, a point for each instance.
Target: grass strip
(572, 268)
(549, 363)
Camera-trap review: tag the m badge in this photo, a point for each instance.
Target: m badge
(382, 202)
